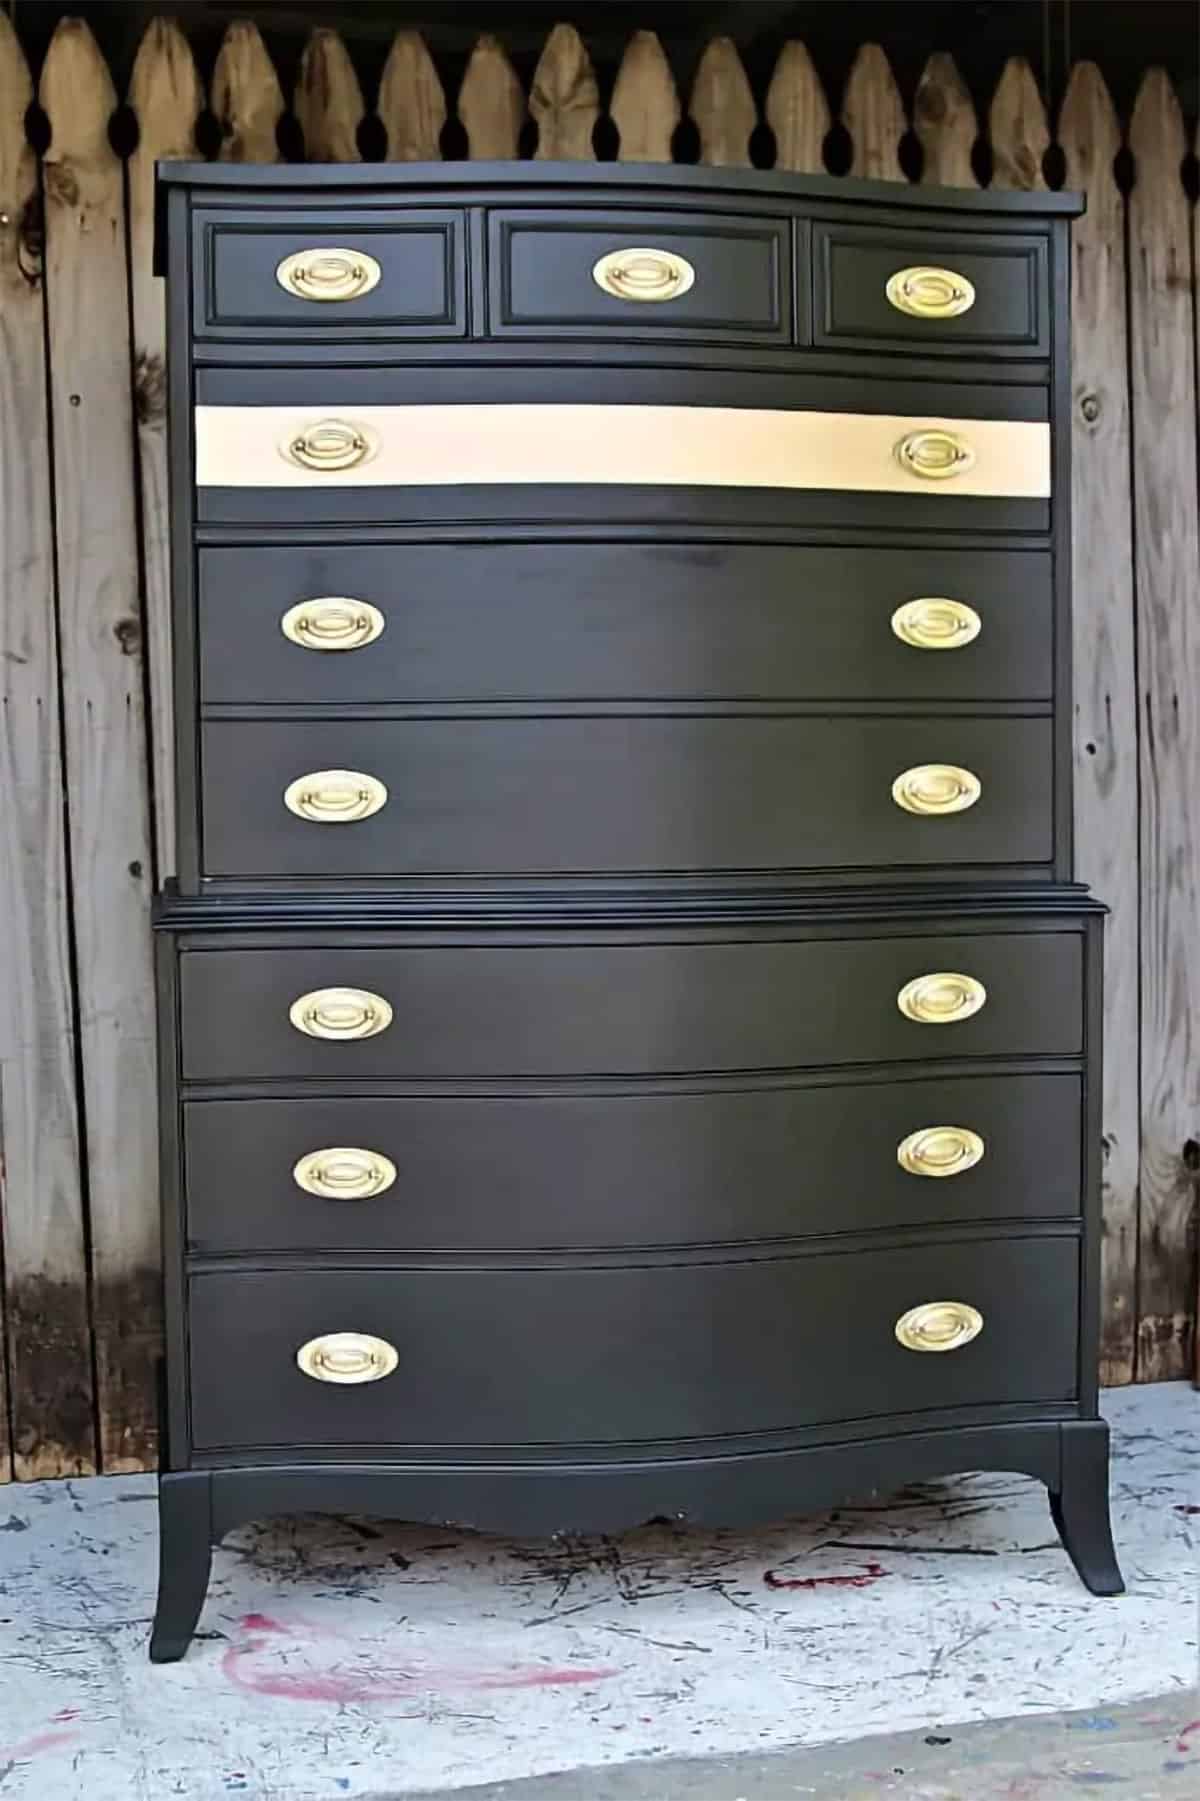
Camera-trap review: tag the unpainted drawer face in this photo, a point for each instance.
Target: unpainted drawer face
(523, 1171)
(723, 277)
(554, 621)
(1008, 277)
(575, 795)
(584, 1008)
(610, 1356)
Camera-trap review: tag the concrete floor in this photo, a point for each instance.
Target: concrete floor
(340, 1657)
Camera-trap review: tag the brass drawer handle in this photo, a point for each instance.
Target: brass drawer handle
(335, 796)
(331, 622)
(934, 455)
(936, 788)
(942, 998)
(643, 274)
(940, 1151)
(924, 292)
(347, 1357)
(340, 1013)
(939, 1326)
(325, 273)
(933, 623)
(344, 1173)
(329, 445)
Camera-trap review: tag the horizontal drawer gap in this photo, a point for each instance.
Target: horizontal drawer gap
(621, 709)
(300, 536)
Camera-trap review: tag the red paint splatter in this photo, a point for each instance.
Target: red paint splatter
(41, 1741)
(262, 1622)
(871, 1572)
(1181, 1743)
(66, 1713)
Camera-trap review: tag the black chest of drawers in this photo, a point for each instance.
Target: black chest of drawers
(630, 1036)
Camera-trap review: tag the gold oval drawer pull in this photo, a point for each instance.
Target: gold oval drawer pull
(344, 1173)
(924, 292)
(939, 1326)
(335, 796)
(326, 273)
(340, 1013)
(934, 455)
(643, 273)
(936, 788)
(329, 445)
(941, 998)
(347, 1357)
(940, 1151)
(933, 623)
(331, 622)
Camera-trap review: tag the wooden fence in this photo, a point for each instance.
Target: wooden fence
(85, 786)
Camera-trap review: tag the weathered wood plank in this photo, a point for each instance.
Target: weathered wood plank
(873, 114)
(166, 95)
(328, 100)
(1105, 712)
(645, 102)
(246, 97)
(797, 111)
(722, 106)
(105, 728)
(945, 124)
(1163, 362)
(41, 1206)
(564, 98)
(1017, 128)
(411, 104)
(491, 103)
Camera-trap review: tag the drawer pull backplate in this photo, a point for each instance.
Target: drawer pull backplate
(643, 274)
(933, 623)
(344, 1173)
(939, 1326)
(347, 1357)
(940, 1151)
(924, 292)
(331, 622)
(942, 998)
(936, 788)
(325, 273)
(335, 796)
(934, 455)
(329, 445)
(340, 1013)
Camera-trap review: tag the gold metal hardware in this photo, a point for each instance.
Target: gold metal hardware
(934, 455)
(340, 1013)
(331, 622)
(330, 444)
(335, 796)
(344, 1173)
(939, 1326)
(942, 998)
(936, 788)
(347, 1357)
(327, 274)
(929, 293)
(643, 274)
(932, 623)
(940, 1151)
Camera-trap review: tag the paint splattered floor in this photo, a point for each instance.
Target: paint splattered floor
(357, 1658)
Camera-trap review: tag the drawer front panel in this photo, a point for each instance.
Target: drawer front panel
(525, 1357)
(579, 795)
(638, 274)
(549, 621)
(638, 1009)
(524, 1171)
(879, 288)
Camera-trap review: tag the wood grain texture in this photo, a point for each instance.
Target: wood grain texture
(491, 103)
(564, 98)
(797, 111)
(328, 100)
(1105, 685)
(722, 106)
(1020, 136)
(945, 124)
(166, 94)
(41, 1208)
(873, 114)
(411, 104)
(1168, 629)
(246, 97)
(105, 728)
(645, 102)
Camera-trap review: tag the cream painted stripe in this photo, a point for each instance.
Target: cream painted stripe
(728, 447)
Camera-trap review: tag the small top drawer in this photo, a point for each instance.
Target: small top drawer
(640, 274)
(357, 273)
(952, 293)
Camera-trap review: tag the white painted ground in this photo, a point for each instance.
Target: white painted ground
(341, 1658)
